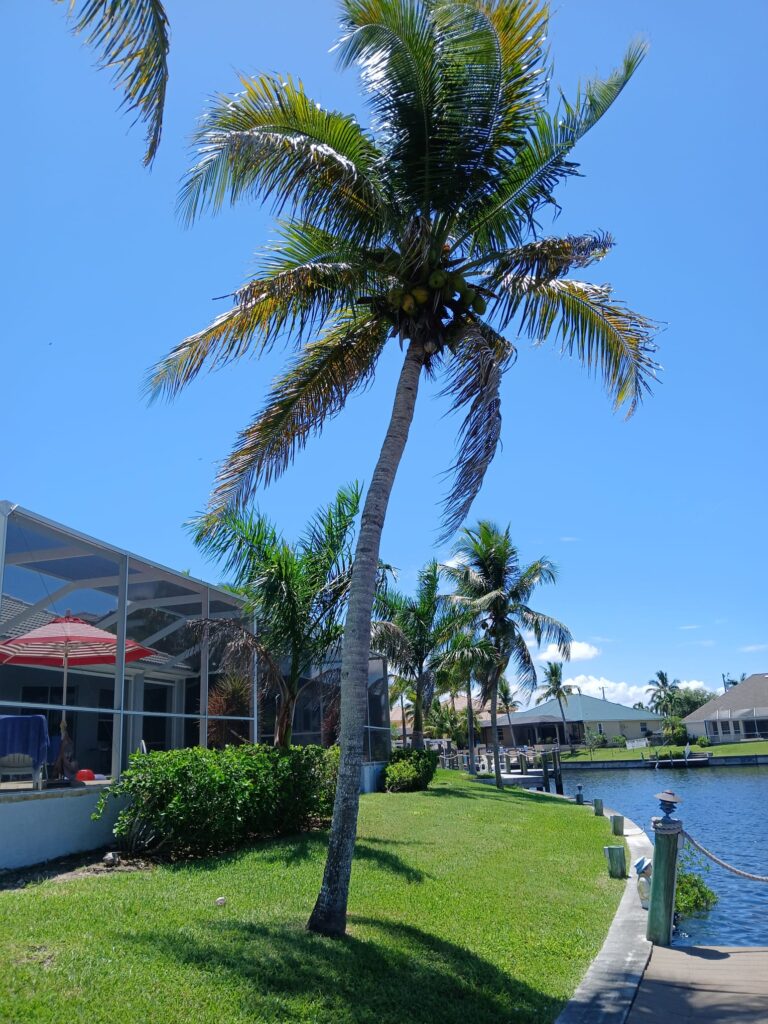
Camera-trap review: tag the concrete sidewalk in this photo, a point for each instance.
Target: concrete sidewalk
(706, 984)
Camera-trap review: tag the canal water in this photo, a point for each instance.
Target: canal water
(726, 810)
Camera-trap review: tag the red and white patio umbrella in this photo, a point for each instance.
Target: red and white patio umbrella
(67, 641)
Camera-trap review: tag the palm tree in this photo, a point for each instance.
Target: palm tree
(553, 688)
(422, 233)
(400, 691)
(507, 698)
(413, 634)
(491, 582)
(132, 38)
(663, 694)
(466, 657)
(297, 592)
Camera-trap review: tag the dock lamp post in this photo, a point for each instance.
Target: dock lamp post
(668, 836)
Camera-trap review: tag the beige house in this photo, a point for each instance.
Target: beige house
(741, 713)
(544, 723)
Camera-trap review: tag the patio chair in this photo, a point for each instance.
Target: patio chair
(21, 764)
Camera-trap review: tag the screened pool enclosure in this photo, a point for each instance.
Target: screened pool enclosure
(177, 695)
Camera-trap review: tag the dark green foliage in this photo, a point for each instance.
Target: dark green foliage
(692, 895)
(618, 741)
(673, 730)
(409, 770)
(703, 741)
(193, 802)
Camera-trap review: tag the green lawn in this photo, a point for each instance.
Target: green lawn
(620, 754)
(467, 905)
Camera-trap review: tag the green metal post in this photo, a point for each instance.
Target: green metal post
(617, 824)
(617, 861)
(661, 909)
(597, 805)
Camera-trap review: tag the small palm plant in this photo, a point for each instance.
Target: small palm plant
(297, 593)
(493, 585)
(508, 701)
(553, 688)
(423, 233)
(402, 695)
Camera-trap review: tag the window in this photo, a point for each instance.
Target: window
(643, 727)
(499, 734)
(600, 728)
(725, 728)
(737, 728)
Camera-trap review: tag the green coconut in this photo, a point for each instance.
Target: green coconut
(408, 303)
(479, 305)
(420, 293)
(395, 297)
(437, 279)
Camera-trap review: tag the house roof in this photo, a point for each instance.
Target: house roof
(580, 708)
(739, 700)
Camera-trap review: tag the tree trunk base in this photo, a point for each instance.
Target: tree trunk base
(332, 926)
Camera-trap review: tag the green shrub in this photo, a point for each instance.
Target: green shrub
(193, 802)
(401, 777)
(692, 895)
(673, 730)
(422, 765)
(618, 741)
(703, 741)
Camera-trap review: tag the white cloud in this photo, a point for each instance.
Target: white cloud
(454, 562)
(619, 692)
(689, 627)
(695, 684)
(753, 648)
(580, 651)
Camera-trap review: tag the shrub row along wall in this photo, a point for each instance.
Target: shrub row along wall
(192, 802)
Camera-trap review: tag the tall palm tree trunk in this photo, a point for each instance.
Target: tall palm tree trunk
(284, 720)
(471, 730)
(417, 732)
(329, 916)
(494, 730)
(565, 724)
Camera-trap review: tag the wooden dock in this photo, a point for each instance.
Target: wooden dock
(706, 984)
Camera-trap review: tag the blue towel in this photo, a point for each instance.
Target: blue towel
(24, 734)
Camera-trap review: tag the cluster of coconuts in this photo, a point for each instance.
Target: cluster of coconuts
(441, 287)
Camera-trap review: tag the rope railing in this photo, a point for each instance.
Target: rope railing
(722, 863)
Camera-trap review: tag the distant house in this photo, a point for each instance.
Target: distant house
(738, 714)
(544, 723)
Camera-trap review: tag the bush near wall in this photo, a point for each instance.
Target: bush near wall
(193, 802)
(409, 770)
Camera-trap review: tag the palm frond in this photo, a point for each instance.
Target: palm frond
(302, 281)
(272, 141)
(547, 629)
(545, 260)
(499, 217)
(313, 389)
(132, 39)
(608, 338)
(474, 383)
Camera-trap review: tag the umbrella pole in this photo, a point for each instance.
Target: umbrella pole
(63, 725)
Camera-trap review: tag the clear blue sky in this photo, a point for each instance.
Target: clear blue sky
(658, 524)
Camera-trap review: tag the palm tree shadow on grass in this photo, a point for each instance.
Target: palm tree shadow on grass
(395, 974)
(310, 846)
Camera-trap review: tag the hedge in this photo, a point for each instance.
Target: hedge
(409, 770)
(192, 802)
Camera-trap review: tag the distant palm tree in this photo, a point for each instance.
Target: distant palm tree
(413, 633)
(553, 688)
(297, 592)
(422, 233)
(400, 691)
(132, 37)
(463, 663)
(492, 584)
(663, 694)
(507, 698)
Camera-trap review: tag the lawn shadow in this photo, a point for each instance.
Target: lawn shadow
(393, 974)
(291, 850)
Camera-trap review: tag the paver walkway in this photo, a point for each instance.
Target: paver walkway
(706, 984)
